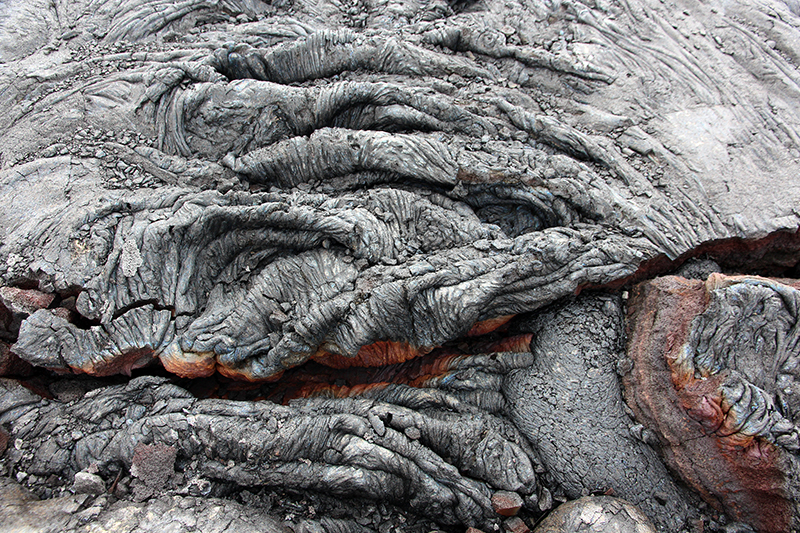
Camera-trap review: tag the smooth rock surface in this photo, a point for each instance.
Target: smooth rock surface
(595, 514)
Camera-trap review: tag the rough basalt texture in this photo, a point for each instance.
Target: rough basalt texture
(267, 191)
(459, 166)
(712, 375)
(347, 447)
(22, 511)
(569, 404)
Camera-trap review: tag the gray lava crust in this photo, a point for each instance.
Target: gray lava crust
(248, 190)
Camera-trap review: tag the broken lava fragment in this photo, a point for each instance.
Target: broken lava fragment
(506, 503)
(24, 301)
(713, 374)
(88, 483)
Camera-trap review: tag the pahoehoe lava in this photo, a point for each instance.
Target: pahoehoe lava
(376, 266)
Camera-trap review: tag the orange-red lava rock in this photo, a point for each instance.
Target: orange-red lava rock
(514, 343)
(124, 363)
(384, 353)
(428, 370)
(506, 503)
(744, 476)
(187, 364)
(487, 326)
(377, 354)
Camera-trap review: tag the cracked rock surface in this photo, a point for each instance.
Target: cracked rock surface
(339, 244)
(599, 514)
(570, 406)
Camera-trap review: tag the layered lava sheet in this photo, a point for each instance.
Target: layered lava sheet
(463, 261)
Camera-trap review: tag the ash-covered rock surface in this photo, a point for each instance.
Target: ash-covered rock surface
(339, 245)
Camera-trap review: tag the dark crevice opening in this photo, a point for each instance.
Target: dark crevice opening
(143, 303)
(776, 256)
(84, 323)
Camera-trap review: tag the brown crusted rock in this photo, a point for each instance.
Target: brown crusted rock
(11, 365)
(713, 365)
(515, 525)
(596, 514)
(26, 301)
(572, 390)
(506, 503)
(3, 441)
(153, 465)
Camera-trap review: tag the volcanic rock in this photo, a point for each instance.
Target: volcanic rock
(87, 483)
(506, 503)
(411, 222)
(596, 514)
(714, 365)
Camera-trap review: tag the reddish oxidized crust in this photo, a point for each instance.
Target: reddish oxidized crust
(384, 353)
(123, 363)
(743, 475)
(11, 365)
(426, 371)
(24, 300)
(197, 364)
(487, 326)
(515, 343)
(187, 364)
(376, 354)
